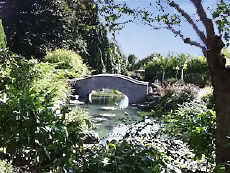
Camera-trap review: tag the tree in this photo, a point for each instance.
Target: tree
(213, 33)
(117, 58)
(131, 60)
(141, 64)
(33, 27)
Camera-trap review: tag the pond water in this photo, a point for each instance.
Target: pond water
(105, 118)
(109, 111)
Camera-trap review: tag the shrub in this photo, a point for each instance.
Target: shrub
(32, 132)
(208, 98)
(76, 121)
(48, 80)
(124, 157)
(69, 63)
(172, 96)
(195, 123)
(189, 117)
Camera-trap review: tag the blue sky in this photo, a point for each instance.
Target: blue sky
(142, 40)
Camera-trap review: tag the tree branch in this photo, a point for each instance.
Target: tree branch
(189, 20)
(155, 27)
(185, 39)
(203, 17)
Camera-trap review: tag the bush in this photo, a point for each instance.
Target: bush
(189, 117)
(32, 131)
(67, 62)
(195, 123)
(123, 157)
(172, 96)
(208, 98)
(76, 121)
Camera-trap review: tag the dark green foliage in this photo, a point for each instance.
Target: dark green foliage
(132, 59)
(172, 97)
(189, 118)
(221, 18)
(123, 157)
(197, 72)
(141, 64)
(2, 36)
(33, 27)
(195, 123)
(164, 68)
(35, 129)
(174, 68)
(209, 101)
(131, 62)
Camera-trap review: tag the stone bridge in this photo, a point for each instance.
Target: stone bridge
(135, 90)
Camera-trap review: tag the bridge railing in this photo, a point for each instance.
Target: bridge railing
(116, 76)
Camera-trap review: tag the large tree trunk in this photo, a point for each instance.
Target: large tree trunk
(221, 82)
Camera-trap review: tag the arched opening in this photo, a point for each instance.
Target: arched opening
(110, 97)
(108, 108)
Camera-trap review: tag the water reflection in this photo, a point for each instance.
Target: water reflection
(105, 118)
(109, 109)
(109, 97)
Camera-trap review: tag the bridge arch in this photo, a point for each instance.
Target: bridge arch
(135, 90)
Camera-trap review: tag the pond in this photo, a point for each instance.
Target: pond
(109, 109)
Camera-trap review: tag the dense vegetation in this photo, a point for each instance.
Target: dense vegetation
(32, 29)
(210, 25)
(36, 125)
(49, 42)
(172, 68)
(188, 114)
(68, 63)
